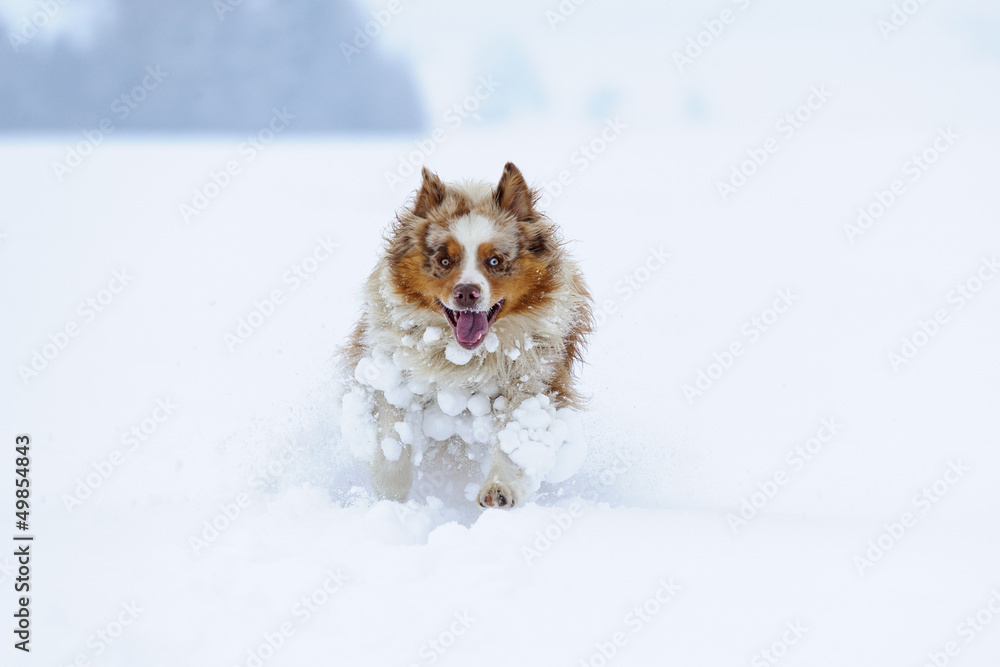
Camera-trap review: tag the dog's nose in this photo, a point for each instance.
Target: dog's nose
(466, 295)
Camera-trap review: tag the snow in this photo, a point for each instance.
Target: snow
(379, 373)
(405, 431)
(391, 448)
(438, 425)
(491, 342)
(811, 484)
(478, 405)
(452, 400)
(457, 354)
(533, 435)
(357, 428)
(432, 334)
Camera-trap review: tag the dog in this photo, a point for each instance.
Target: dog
(474, 320)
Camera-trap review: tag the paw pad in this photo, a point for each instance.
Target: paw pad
(496, 496)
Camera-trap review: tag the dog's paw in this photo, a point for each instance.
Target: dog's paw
(497, 494)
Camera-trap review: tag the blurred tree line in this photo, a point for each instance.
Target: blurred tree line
(225, 66)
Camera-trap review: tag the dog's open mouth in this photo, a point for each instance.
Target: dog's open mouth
(471, 326)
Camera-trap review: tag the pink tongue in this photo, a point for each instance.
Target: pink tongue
(470, 327)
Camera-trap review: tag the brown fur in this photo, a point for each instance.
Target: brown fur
(575, 342)
(545, 301)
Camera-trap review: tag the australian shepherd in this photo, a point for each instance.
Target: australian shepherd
(473, 319)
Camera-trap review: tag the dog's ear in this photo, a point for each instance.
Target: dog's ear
(514, 196)
(431, 194)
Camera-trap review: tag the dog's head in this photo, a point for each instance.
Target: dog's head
(474, 254)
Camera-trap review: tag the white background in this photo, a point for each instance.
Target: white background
(690, 463)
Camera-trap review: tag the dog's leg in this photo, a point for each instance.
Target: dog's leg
(391, 479)
(504, 485)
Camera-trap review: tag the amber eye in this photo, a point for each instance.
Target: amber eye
(494, 261)
(444, 261)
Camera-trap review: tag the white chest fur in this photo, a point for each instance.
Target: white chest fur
(473, 403)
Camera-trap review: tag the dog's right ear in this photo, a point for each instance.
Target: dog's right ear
(431, 194)
(513, 195)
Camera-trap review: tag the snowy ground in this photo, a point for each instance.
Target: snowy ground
(645, 554)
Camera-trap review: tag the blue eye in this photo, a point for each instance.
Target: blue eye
(494, 261)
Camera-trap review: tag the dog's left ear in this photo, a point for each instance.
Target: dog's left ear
(431, 194)
(514, 196)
